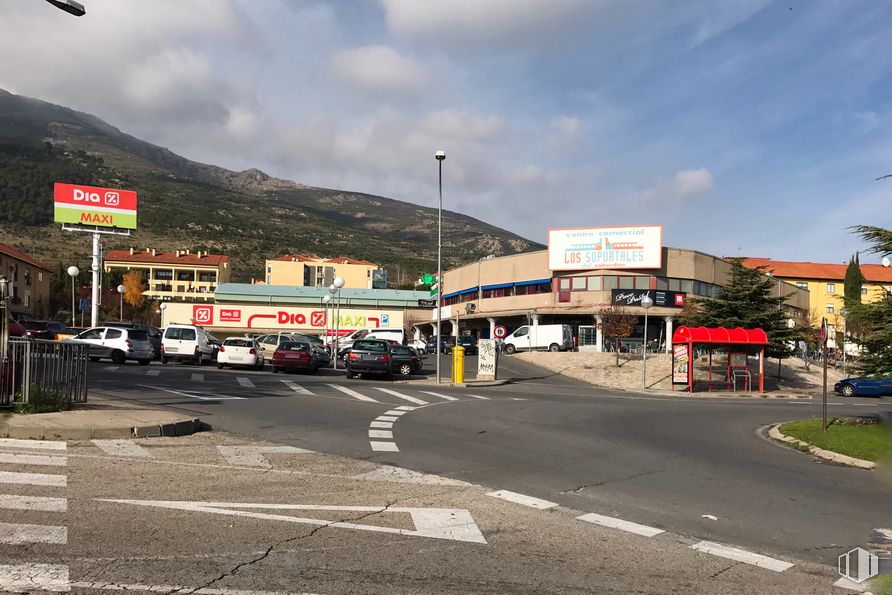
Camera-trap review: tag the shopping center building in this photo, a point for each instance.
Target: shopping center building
(583, 272)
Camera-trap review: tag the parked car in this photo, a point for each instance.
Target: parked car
(38, 329)
(418, 345)
(294, 355)
(468, 343)
(153, 332)
(404, 360)
(446, 343)
(864, 386)
(269, 343)
(216, 344)
(16, 329)
(240, 351)
(118, 344)
(186, 342)
(370, 356)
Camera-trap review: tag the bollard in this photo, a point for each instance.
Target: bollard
(458, 364)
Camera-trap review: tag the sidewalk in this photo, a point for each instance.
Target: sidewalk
(100, 417)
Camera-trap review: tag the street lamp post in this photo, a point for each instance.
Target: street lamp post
(441, 156)
(121, 292)
(332, 292)
(73, 272)
(646, 303)
(326, 299)
(845, 323)
(4, 319)
(335, 290)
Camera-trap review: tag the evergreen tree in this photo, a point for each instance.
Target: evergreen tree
(875, 319)
(853, 282)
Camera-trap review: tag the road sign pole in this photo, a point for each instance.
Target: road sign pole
(94, 314)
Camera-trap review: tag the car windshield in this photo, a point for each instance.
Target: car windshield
(137, 335)
(375, 346)
(34, 325)
(238, 343)
(294, 346)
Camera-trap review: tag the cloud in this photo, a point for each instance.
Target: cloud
(689, 183)
(724, 16)
(565, 125)
(380, 68)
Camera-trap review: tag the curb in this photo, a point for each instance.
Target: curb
(775, 434)
(468, 384)
(183, 427)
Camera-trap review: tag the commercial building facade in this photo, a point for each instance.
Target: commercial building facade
(181, 275)
(29, 282)
(313, 271)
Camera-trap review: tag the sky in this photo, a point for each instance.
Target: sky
(742, 126)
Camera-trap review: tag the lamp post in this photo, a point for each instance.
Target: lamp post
(440, 156)
(335, 290)
(326, 299)
(646, 303)
(162, 307)
(121, 292)
(73, 272)
(4, 318)
(845, 322)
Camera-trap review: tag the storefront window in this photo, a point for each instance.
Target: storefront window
(579, 284)
(662, 283)
(627, 282)
(565, 284)
(687, 285)
(609, 283)
(674, 284)
(642, 282)
(594, 283)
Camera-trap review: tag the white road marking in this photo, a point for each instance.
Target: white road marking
(25, 459)
(252, 456)
(33, 444)
(381, 424)
(122, 448)
(20, 533)
(28, 578)
(102, 586)
(522, 499)
(352, 393)
(401, 396)
(614, 523)
(192, 396)
(153, 373)
(455, 524)
(111, 368)
(197, 377)
(246, 382)
(395, 412)
(296, 387)
(42, 503)
(401, 475)
(386, 418)
(711, 517)
(479, 397)
(380, 434)
(441, 396)
(33, 479)
(732, 553)
(383, 446)
(406, 408)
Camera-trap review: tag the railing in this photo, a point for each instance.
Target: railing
(47, 365)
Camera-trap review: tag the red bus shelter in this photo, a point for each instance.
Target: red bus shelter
(739, 343)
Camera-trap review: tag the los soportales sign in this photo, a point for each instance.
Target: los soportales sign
(94, 207)
(578, 249)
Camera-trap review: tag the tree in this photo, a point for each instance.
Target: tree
(853, 282)
(133, 289)
(746, 301)
(616, 323)
(874, 320)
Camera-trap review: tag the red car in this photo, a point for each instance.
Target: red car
(16, 329)
(294, 355)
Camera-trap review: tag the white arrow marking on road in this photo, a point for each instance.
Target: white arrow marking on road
(33, 479)
(447, 397)
(455, 524)
(18, 534)
(33, 444)
(246, 382)
(28, 578)
(401, 396)
(252, 456)
(296, 387)
(23, 459)
(191, 396)
(614, 523)
(732, 553)
(122, 448)
(352, 393)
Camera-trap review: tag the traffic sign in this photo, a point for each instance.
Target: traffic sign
(500, 332)
(83, 305)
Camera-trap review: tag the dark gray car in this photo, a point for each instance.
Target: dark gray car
(370, 356)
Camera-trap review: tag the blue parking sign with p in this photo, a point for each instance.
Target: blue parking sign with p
(385, 319)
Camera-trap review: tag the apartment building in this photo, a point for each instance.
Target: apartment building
(181, 275)
(29, 282)
(312, 271)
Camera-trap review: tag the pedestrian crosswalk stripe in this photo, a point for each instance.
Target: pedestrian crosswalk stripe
(41, 503)
(153, 373)
(447, 397)
(197, 377)
(384, 446)
(25, 459)
(33, 444)
(34, 479)
(31, 578)
(381, 434)
(479, 397)
(352, 393)
(406, 408)
(122, 448)
(389, 418)
(111, 369)
(21, 533)
(395, 412)
(246, 382)
(401, 396)
(296, 387)
(381, 424)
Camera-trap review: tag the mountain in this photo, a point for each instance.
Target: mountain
(248, 215)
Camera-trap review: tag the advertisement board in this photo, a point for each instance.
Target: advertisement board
(680, 363)
(633, 297)
(94, 207)
(580, 249)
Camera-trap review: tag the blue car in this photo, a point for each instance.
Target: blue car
(867, 387)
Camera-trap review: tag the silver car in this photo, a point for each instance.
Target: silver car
(118, 344)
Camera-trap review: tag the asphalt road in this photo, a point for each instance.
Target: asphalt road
(694, 467)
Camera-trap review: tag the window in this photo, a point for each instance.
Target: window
(829, 308)
(686, 285)
(113, 333)
(674, 284)
(609, 283)
(627, 282)
(594, 283)
(522, 331)
(831, 288)
(93, 334)
(801, 284)
(269, 269)
(863, 290)
(166, 274)
(642, 282)
(185, 276)
(564, 284)
(662, 283)
(39, 277)
(27, 277)
(579, 284)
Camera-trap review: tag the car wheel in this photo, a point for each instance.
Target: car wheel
(349, 374)
(93, 358)
(554, 348)
(145, 362)
(509, 349)
(118, 357)
(848, 390)
(163, 359)
(405, 369)
(219, 366)
(275, 370)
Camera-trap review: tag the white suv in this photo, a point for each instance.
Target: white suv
(119, 344)
(240, 351)
(186, 342)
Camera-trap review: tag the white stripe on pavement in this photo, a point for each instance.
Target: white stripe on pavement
(33, 479)
(384, 446)
(352, 393)
(104, 586)
(20, 533)
(192, 396)
(522, 499)
(33, 444)
(479, 397)
(849, 584)
(441, 396)
(122, 448)
(733, 553)
(614, 523)
(28, 578)
(197, 377)
(14, 502)
(406, 408)
(246, 382)
(296, 387)
(153, 373)
(395, 412)
(381, 434)
(401, 396)
(381, 424)
(111, 368)
(23, 459)
(390, 418)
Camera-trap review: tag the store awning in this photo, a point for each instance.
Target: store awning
(467, 291)
(719, 336)
(446, 296)
(533, 282)
(497, 286)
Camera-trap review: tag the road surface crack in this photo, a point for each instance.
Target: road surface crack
(578, 489)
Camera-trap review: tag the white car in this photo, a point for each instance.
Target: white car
(240, 351)
(186, 342)
(119, 344)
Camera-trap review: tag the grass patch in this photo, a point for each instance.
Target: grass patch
(862, 438)
(882, 585)
(42, 400)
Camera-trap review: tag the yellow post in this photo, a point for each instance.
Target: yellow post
(458, 364)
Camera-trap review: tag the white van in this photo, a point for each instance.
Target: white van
(391, 334)
(553, 337)
(186, 342)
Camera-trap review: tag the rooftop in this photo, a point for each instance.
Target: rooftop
(178, 257)
(873, 273)
(10, 251)
(289, 294)
(336, 260)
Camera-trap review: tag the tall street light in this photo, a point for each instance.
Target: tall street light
(326, 299)
(646, 303)
(69, 6)
(441, 156)
(121, 292)
(335, 290)
(73, 272)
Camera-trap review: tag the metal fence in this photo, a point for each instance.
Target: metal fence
(45, 365)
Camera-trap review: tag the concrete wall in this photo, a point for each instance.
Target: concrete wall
(30, 284)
